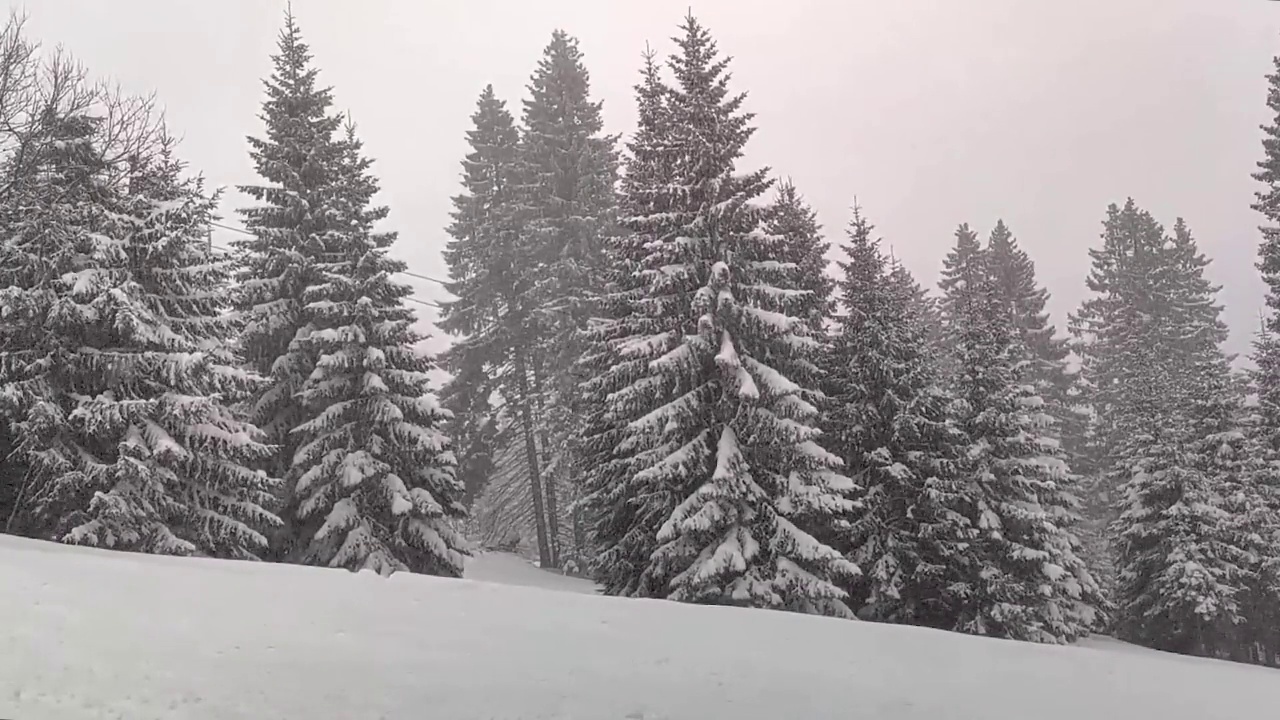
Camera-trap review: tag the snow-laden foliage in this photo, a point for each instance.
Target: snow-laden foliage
(569, 168)
(1170, 425)
(373, 473)
(719, 456)
(887, 419)
(795, 223)
(624, 510)
(1265, 426)
(1024, 578)
(293, 223)
(127, 432)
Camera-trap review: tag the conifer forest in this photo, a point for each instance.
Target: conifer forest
(665, 373)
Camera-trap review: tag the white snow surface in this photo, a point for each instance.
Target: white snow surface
(94, 634)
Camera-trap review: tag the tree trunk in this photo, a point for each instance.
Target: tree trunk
(531, 456)
(549, 487)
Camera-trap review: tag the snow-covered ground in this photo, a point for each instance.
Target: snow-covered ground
(92, 634)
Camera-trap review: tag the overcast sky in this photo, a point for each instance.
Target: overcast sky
(930, 112)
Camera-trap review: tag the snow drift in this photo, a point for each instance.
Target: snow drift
(93, 634)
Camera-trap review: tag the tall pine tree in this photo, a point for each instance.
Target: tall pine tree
(793, 220)
(887, 419)
(570, 171)
(495, 280)
(292, 225)
(714, 419)
(1266, 380)
(1024, 577)
(1170, 425)
(623, 508)
(373, 471)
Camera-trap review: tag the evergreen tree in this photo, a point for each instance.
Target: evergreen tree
(1265, 435)
(472, 425)
(956, 287)
(888, 421)
(926, 312)
(570, 172)
(624, 508)
(792, 220)
(373, 473)
(292, 226)
(494, 280)
(127, 434)
(1024, 578)
(717, 421)
(1015, 278)
(1169, 420)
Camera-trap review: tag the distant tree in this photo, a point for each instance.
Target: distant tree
(957, 288)
(570, 169)
(795, 224)
(887, 420)
(1025, 579)
(1170, 424)
(496, 316)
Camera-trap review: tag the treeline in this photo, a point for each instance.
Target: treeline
(657, 379)
(159, 398)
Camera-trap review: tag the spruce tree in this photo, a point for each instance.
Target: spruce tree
(1265, 428)
(494, 271)
(623, 508)
(1024, 577)
(1168, 413)
(887, 420)
(570, 172)
(373, 473)
(717, 423)
(128, 436)
(956, 287)
(796, 223)
(292, 225)
(1015, 278)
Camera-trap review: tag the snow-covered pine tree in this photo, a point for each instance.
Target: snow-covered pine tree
(298, 160)
(887, 419)
(793, 220)
(1265, 435)
(373, 473)
(1024, 577)
(623, 508)
(494, 280)
(472, 426)
(956, 289)
(717, 422)
(1015, 278)
(570, 173)
(128, 434)
(1167, 412)
(1054, 380)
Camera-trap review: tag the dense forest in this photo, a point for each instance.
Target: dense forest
(665, 373)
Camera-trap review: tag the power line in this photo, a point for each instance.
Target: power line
(420, 276)
(430, 303)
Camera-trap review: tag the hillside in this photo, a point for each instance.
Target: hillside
(90, 634)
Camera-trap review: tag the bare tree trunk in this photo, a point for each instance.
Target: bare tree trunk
(549, 486)
(531, 456)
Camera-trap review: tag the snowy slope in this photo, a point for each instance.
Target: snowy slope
(91, 634)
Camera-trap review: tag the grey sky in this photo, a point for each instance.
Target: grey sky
(931, 112)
